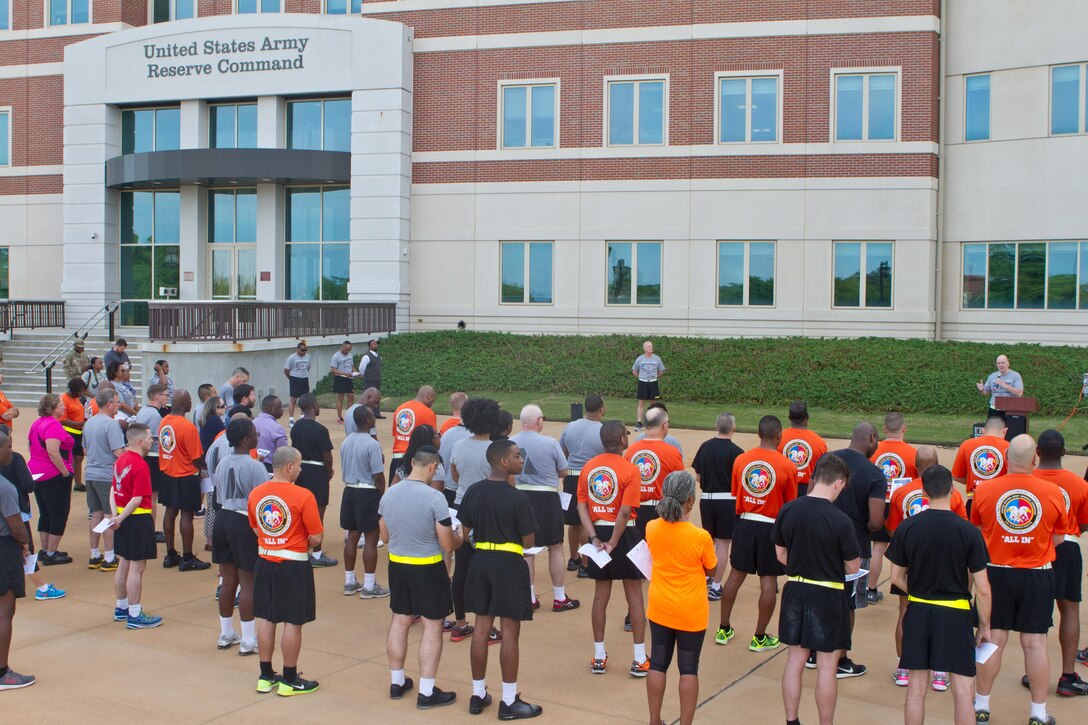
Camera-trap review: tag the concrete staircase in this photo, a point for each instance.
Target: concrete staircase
(28, 347)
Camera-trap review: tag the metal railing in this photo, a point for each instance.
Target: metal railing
(28, 314)
(232, 321)
(108, 312)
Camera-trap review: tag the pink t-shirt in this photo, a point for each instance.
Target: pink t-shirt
(42, 430)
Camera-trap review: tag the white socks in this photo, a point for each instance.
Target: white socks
(598, 651)
(397, 676)
(316, 554)
(426, 686)
(532, 594)
(982, 702)
(95, 553)
(717, 586)
(135, 610)
(369, 580)
(1038, 711)
(249, 631)
(479, 688)
(640, 653)
(509, 692)
(226, 626)
(122, 603)
(559, 593)
(349, 578)
(110, 556)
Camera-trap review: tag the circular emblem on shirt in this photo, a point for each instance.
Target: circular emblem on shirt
(648, 465)
(799, 452)
(986, 462)
(167, 440)
(603, 485)
(1018, 511)
(915, 503)
(758, 478)
(273, 516)
(891, 464)
(406, 421)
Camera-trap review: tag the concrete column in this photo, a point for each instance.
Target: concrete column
(270, 218)
(271, 122)
(194, 283)
(195, 129)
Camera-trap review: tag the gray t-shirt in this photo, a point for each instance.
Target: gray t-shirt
(342, 362)
(102, 435)
(470, 457)
(349, 421)
(235, 477)
(9, 504)
(543, 458)
(669, 438)
(648, 368)
(582, 441)
(411, 509)
(217, 451)
(445, 450)
(1011, 378)
(226, 392)
(360, 458)
(152, 418)
(298, 366)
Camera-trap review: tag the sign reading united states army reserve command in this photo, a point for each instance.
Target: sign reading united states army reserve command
(168, 60)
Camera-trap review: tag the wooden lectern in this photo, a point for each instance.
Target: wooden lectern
(1016, 413)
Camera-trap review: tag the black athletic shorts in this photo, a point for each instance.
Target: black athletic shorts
(359, 509)
(646, 514)
(549, 517)
(814, 617)
(896, 591)
(451, 496)
(753, 550)
(134, 539)
(283, 591)
(664, 640)
(498, 585)
(420, 590)
(77, 446)
(1023, 599)
(233, 541)
(621, 567)
(340, 384)
(570, 514)
(857, 591)
(297, 387)
(719, 517)
(881, 537)
(181, 493)
(648, 390)
(156, 474)
(938, 638)
(12, 578)
(315, 479)
(1068, 570)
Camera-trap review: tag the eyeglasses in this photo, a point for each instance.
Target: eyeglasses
(220, 407)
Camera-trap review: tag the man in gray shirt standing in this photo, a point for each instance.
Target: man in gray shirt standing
(364, 483)
(647, 368)
(103, 444)
(1003, 382)
(297, 370)
(342, 365)
(581, 441)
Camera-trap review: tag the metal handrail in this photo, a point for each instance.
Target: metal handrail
(49, 361)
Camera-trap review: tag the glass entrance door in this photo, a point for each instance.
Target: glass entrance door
(234, 272)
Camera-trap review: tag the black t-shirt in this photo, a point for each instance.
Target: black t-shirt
(496, 512)
(238, 408)
(938, 548)
(866, 482)
(311, 439)
(819, 539)
(714, 464)
(19, 475)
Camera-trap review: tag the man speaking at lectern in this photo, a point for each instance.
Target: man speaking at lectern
(1004, 381)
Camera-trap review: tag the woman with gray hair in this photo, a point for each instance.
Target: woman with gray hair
(683, 555)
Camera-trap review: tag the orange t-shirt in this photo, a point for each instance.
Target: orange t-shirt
(980, 459)
(803, 448)
(76, 411)
(655, 460)
(285, 516)
(606, 483)
(5, 406)
(179, 446)
(450, 423)
(681, 554)
(1019, 514)
(909, 500)
(405, 420)
(252, 451)
(763, 481)
(1075, 489)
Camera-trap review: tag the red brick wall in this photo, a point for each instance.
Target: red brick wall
(37, 116)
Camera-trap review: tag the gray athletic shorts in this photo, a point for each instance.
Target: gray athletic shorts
(98, 496)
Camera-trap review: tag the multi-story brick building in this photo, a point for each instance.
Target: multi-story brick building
(829, 167)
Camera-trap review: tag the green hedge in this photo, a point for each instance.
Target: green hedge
(864, 375)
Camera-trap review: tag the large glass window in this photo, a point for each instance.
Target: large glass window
(246, 7)
(163, 11)
(232, 216)
(636, 112)
(528, 115)
(150, 239)
(319, 125)
(527, 272)
(863, 274)
(5, 289)
(1025, 275)
(343, 7)
(233, 126)
(318, 232)
(1067, 99)
(865, 107)
(5, 14)
(747, 109)
(5, 138)
(977, 108)
(150, 129)
(634, 273)
(746, 273)
(69, 12)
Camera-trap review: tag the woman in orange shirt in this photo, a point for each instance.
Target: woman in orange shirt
(8, 412)
(683, 556)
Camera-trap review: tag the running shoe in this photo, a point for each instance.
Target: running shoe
(982, 716)
(51, 592)
(322, 561)
(477, 704)
(1070, 686)
(41, 553)
(298, 687)
(518, 709)
(58, 557)
(713, 595)
(353, 588)
(79, 488)
(638, 427)
(627, 623)
(397, 691)
(810, 663)
(267, 685)
(723, 635)
(494, 637)
(291, 423)
(437, 698)
(1024, 682)
(201, 513)
(849, 668)
(1050, 720)
(597, 667)
(95, 561)
(13, 680)
(120, 614)
(573, 564)
(536, 603)
(565, 605)
(583, 573)
(246, 649)
(764, 643)
(193, 564)
(459, 633)
(171, 560)
(160, 537)
(109, 565)
(339, 421)
(144, 621)
(640, 669)
(447, 625)
(380, 543)
(902, 677)
(377, 592)
(1082, 656)
(226, 641)
(874, 596)
(939, 683)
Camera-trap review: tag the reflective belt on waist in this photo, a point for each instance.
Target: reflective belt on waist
(398, 455)
(716, 496)
(314, 463)
(574, 471)
(598, 522)
(73, 431)
(651, 502)
(283, 554)
(235, 511)
(360, 485)
(1026, 568)
(414, 560)
(964, 604)
(758, 517)
(488, 546)
(135, 510)
(826, 585)
(152, 454)
(1070, 538)
(536, 487)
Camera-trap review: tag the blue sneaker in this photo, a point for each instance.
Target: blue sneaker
(51, 592)
(120, 614)
(144, 621)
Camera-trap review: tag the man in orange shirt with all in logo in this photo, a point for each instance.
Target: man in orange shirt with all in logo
(406, 418)
(895, 458)
(981, 459)
(181, 460)
(800, 445)
(655, 460)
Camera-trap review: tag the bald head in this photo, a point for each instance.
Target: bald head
(926, 457)
(657, 422)
(457, 400)
(426, 395)
(371, 397)
(995, 426)
(181, 403)
(864, 439)
(1021, 454)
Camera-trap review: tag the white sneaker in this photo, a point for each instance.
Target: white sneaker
(226, 641)
(291, 423)
(247, 648)
(380, 543)
(376, 593)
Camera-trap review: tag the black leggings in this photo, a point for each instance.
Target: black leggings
(54, 497)
(688, 645)
(460, 573)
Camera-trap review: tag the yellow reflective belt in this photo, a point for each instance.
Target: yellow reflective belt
(827, 585)
(416, 560)
(964, 604)
(512, 548)
(73, 431)
(135, 510)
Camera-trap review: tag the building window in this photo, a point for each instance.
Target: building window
(528, 115)
(634, 273)
(319, 125)
(343, 7)
(1025, 275)
(150, 129)
(5, 290)
(318, 232)
(636, 112)
(865, 106)
(747, 109)
(69, 12)
(527, 272)
(248, 7)
(232, 216)
(977, 108)
(163, 11)
(746, 273)
(863, 274)
(150, 239)
(233, 126)
(5, 138)
(1066, 94)
(5, 14)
